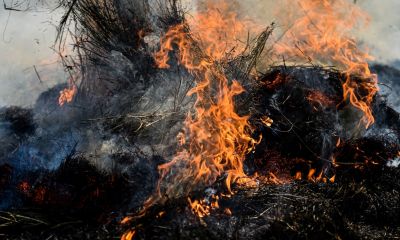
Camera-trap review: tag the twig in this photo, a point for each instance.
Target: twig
(37, 74)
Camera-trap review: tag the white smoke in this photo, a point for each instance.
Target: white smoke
(25, 41)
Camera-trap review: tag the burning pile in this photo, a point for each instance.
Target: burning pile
(168, 114)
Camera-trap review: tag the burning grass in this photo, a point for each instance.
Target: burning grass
(173, 130)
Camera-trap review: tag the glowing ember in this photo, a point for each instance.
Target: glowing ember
(24, 187)
(320, 99)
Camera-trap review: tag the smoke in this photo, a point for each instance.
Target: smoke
(26, 38)
(381, 35)
(384, 30)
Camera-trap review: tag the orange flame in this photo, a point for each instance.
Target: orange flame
(217, 31)
(68, 94)
(218, 138)
(321, 33)
(203, 207)
(200, 208)
(129, 235)
(215, 139)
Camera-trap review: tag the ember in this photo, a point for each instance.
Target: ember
(206, 123)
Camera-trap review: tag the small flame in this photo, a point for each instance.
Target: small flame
(126, 220)
(298, 175)
(267, 121)
(203, 207)
(311, 174)
(332, 179)
(274, 179)
(68, 94)
(200, 208)
(129, 235)
(228, 212)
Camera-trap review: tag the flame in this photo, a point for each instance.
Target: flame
(217, 31)
(312, 177)
(228, 212)
(126, 220)
(322, 33)
(218, 138)
(297, 175)
(274, 179)
(332, 179)
(68, 94)
(129, 235)
(267, 121)
(203, 207)
(311, 174)
(200, 208)
(215, 139)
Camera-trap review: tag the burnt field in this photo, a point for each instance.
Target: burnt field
(205, 126)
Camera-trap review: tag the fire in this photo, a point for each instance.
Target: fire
(313, 177)
(267, 121)
(321, 32)
(218, 138)
(68, 94)
(298, 175)
(217, 31)
(200, 208)
(129, 235)
(228, 212)
(126, 220)
(203, 207)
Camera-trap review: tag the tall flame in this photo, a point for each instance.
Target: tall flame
(321, 32)
(218, 138)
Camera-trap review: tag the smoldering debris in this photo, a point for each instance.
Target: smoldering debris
(78, 170)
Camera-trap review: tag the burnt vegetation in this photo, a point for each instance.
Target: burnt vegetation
(74, 172)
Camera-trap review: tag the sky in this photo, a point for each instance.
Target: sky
(26, 39)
